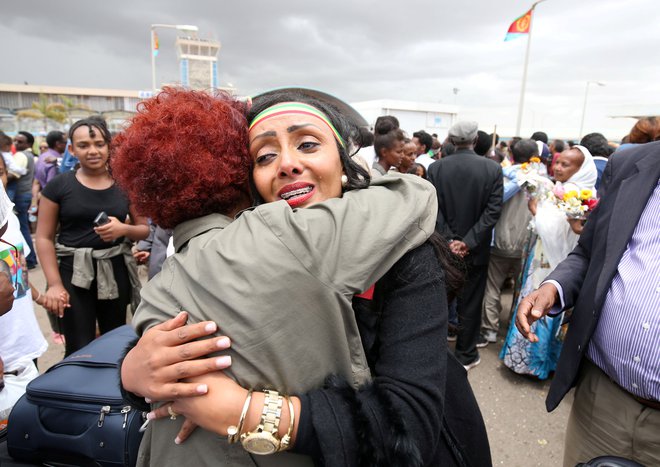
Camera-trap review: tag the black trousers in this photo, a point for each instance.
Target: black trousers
(79, 322)
(469, 313)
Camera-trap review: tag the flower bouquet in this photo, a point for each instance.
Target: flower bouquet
(532, 177)
(576, 204)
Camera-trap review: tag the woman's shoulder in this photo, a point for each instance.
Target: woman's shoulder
(420, 263)
(58, 184)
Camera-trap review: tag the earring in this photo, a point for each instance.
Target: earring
(344, 181)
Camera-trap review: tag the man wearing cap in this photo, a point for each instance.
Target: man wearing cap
(469, 189)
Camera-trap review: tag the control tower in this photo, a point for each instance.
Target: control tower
(198, 62)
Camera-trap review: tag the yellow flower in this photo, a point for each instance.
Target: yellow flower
(535, 160)
(586, 194)
(570, 194)
(524, 166)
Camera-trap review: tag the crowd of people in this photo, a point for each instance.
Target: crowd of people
(331, 312)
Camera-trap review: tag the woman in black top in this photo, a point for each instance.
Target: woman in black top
(74, 200)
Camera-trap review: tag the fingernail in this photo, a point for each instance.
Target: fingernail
(223, 342)
(151, 416)
(177, 440)
(147, 400)
(202, 389)
(222, 362)
(211, 327)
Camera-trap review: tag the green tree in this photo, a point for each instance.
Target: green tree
(45, 110)
(69, 107)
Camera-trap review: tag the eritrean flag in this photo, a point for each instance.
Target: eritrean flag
(156, 44)
(519, 26)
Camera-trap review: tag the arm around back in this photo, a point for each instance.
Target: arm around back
(350, 242)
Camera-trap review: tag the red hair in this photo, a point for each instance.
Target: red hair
(184, 155)
(646, 130)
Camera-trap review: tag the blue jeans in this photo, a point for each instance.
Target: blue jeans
(22, 203)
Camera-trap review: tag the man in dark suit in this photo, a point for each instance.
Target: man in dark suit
(612, 348)
(469, 191)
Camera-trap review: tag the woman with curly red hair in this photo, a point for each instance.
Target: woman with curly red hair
(279, 280)
(174, 169)
(82, 295)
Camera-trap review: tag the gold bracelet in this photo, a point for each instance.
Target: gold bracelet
(286, 439)
(234, 431)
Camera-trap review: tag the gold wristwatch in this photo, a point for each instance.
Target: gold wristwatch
(265, 438)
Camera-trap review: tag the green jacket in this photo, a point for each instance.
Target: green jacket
(279, 282)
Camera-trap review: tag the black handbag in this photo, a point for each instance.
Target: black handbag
(75, 414)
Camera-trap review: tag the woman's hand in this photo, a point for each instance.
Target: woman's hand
(531, 205)
(112, 230)
(165, 354)
(577, 225)
(214, 411)
(56, 300)
(141, 257)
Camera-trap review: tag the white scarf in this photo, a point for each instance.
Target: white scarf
(586, 177)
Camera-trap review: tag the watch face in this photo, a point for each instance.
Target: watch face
(260, 443)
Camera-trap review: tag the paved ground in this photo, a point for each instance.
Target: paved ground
(521, 432)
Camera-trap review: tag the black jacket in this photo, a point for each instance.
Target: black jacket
(586, 274)
(470, 189)
(419, 409)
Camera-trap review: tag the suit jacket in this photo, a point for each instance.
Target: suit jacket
(586, 274)
(469, 189)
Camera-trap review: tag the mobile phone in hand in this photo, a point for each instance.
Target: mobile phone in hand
(101, 219)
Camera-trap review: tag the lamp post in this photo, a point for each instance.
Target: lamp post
(180, 27)
(584, 106)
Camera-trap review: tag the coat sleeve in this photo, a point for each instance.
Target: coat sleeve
(349, 243)
(397, 418)
(571, 272)
(481, 231)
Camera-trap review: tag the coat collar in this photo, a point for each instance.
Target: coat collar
(189, 229)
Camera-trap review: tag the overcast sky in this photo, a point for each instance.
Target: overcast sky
(362, 50)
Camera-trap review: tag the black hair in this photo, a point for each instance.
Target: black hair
(448, 148)
(91, 123)
(424, 138)
(484, 142)
(53, 138)
(386, 123)
(29, 136)
(365, 137)
(523, 150)
(559, 145)
(413, 169)
(596, 143)
(453, 265)
(357, 176)
(540, 136)
(513, 142)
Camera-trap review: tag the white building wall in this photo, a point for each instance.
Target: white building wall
(413, 116)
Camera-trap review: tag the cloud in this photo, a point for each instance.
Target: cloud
(413, 50)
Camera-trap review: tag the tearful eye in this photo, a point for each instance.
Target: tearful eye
(307, 145)
(264, 158)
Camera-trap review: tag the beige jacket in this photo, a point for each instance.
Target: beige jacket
(279, 282)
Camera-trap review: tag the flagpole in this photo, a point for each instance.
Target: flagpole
(521, 103)
(153, 59)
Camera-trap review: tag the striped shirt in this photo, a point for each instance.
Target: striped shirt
(626, 343)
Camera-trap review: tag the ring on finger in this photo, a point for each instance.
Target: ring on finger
(172, 413)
